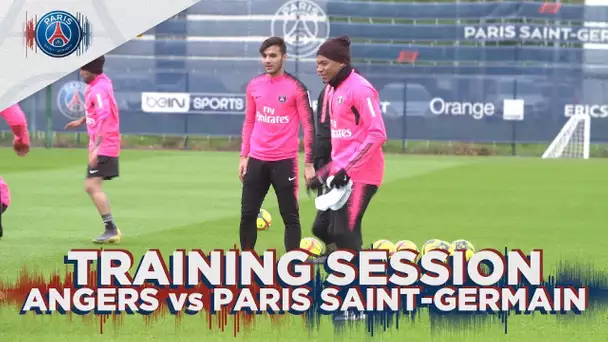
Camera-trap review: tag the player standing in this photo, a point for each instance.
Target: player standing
(103, 128)
(322, 157)
(21, 144)
(352, 107)
(277, 103)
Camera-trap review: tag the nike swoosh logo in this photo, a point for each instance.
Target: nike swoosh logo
(93, 171)
(291, 178)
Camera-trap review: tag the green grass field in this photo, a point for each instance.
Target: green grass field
(171, 200)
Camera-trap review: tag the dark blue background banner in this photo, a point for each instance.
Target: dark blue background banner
(443, 70)
(405, 10)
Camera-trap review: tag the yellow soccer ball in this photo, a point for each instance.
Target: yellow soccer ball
(313, 246)
(435, 244)
(264, 220)
(463, 245)
(384, 245)
(405, 244)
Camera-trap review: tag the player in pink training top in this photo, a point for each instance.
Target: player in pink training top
(352, 106)
(103, 127)
(15, 118)
(21, 144)
(277, 103)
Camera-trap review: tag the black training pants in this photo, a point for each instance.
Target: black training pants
(260, 175)
(320, 226)
(345, 223)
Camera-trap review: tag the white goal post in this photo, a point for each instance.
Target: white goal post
(572, 141)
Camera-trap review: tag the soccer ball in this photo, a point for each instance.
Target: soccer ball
(435, 244)
(264, 220)
(384, 245)
(463, 245)
(313, 246)
(405, 244)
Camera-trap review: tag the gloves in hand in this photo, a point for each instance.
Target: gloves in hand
(315, 183)
(341, 178)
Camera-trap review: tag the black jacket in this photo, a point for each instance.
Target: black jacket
(322, 141)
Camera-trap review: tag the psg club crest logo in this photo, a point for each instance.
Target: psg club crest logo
(58, 34)
(70, 100)
(303, 24)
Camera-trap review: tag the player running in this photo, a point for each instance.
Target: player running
(21, 144)
(103, 128)
(352, 107)
(277, 103)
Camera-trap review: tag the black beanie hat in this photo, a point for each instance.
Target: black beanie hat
(95, 66)
(337, 49)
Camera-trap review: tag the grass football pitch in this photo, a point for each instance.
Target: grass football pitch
(170, 200)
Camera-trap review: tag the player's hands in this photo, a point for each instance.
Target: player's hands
(21, 148)
(73, 124)
(93, 159)
(314, 183)
(341, 178)
(309, 171)
(242, 168)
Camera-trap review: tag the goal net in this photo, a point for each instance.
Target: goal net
(572, 141)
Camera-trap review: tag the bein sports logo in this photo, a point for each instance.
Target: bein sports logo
(216, 103)
(303, 24)
(70, 100)
(58, 34)
(165, 102)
